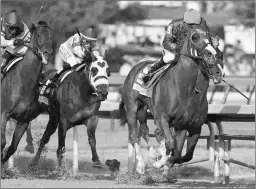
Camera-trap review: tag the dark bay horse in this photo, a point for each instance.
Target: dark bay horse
(179, 100)
(20, 91)
(78, 99)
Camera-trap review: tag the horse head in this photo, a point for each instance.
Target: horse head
(42, 41)
(98, 73)
(199, 46)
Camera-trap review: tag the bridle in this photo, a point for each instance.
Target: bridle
(202, 63)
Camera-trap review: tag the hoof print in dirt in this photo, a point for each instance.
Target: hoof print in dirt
(113, 165)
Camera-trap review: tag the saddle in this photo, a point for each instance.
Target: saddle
(13, 60)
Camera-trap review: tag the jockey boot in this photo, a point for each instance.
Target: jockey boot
(56, 76)
(155, 67)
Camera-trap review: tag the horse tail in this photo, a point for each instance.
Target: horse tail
(122, 113)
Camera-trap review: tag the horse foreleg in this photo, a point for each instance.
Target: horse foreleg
(50, 129)
(192, 139)
(144, 133)
(29, 147)
(166, 143)
(62, 131)
(131, 115)
(18, 133)
(92, 123)
(180, 139)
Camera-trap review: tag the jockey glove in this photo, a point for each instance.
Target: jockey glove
(173, 46)
(18, 42)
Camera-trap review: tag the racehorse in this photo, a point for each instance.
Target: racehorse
(20, 91)
(78, 99)
(178, 102)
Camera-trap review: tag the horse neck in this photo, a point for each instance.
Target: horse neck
(187, 73)
(31, 65)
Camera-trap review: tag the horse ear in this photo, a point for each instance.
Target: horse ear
(105, 55)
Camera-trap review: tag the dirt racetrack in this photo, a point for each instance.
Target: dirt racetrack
(113, 145)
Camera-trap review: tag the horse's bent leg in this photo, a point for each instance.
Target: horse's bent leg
(62, 131)
(18, 133)
(3, 129)
(143, 129)
(92, 123)
(131, 115)
(194, 135)
(29, 147)
(50, 129)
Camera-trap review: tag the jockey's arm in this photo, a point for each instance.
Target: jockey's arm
(168, 42)
(76, 45)
(169, 38)
(26, 34)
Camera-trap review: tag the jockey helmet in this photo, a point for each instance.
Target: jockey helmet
(90, 34)
(13, 22)
(192, 17)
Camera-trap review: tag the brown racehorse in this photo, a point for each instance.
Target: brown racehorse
(78, 99)
(179, 100)
(20, 89)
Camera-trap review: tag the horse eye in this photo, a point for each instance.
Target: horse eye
(108, 72)
(94, 71)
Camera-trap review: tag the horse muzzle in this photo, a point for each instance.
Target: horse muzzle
(102, 91)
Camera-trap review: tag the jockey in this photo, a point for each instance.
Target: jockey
(13, 34)
(73, 50)
(175, 36)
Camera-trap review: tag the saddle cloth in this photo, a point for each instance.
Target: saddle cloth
(146, 89)
(47, 92)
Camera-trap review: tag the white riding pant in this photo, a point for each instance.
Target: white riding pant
(168, 56)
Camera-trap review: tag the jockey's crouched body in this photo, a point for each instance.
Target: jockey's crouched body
(174, 38)
(73, 50)
(14, 32)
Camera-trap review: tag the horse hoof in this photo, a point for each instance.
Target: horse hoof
(160, 163)
(97, 164)
(140, 170)
(29, 148)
